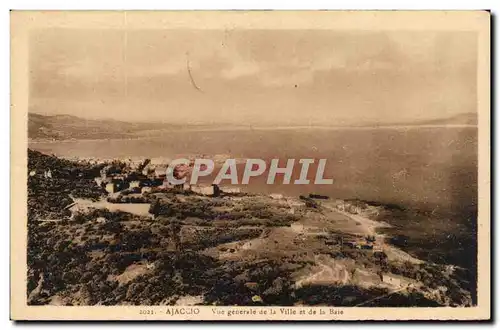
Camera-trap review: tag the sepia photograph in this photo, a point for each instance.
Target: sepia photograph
(250, 165)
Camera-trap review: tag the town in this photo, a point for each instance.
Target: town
(184, 174)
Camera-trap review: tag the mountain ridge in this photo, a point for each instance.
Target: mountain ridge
(66, 127)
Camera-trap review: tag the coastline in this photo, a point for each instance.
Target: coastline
(159, 133)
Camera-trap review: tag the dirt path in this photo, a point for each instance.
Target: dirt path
(329, 272)
(365, 226)
(359, 223)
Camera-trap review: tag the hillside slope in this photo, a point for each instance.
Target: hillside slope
(224, 250)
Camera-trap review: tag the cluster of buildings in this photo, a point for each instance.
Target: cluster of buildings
(118, 177)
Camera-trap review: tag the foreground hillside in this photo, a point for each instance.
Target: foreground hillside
(235, 249)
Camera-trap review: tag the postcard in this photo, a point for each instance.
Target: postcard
(250, 165)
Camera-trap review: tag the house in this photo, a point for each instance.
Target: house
(115, 186)
(276, 196)
(48, 174)
(231, 190)
(135, 184)
(111, 187)
(146, 189)
(203, 190)
(178, 187)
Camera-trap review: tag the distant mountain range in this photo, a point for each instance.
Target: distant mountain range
(65, 127)
(460, 119)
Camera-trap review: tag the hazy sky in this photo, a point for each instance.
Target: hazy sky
(291, 77)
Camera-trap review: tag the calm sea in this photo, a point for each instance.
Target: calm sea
(432, 168)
